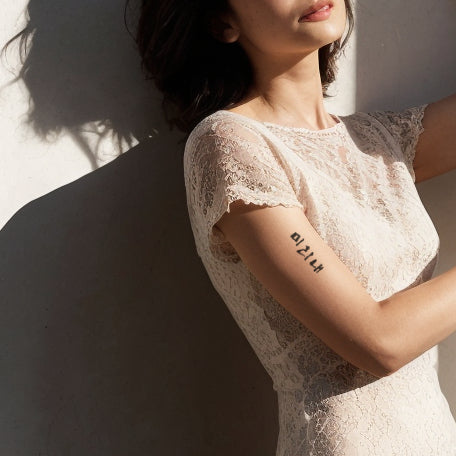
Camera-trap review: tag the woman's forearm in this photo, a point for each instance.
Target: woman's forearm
(416, 319)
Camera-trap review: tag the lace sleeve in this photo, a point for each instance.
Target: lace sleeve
(230, 162)
(405, 128)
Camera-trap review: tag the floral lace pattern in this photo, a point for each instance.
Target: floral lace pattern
(359, 170)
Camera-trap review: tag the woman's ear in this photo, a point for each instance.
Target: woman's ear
(224, 29)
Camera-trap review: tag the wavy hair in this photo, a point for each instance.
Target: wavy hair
(196, 73)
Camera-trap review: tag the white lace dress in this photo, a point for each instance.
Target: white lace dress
(355, 182)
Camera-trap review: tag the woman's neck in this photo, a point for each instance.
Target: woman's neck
(288, 93)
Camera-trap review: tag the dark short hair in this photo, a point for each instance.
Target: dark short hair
(196, 73)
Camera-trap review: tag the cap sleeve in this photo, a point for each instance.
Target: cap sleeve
(405, 128)
(227, 162)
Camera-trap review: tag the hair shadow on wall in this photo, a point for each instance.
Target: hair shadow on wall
(82, 72)
(406, 60)
(113, 339)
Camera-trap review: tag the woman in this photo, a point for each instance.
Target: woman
(309, 224)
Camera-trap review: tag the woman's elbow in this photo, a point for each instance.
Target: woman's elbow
(386, 368)
(379, 356)
(381, 367)
(387, 360)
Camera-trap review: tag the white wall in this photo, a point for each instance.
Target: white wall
(113, 340)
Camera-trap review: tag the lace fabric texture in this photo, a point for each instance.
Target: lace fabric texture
(355, 182)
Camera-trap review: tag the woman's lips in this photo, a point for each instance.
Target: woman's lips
(319, 15)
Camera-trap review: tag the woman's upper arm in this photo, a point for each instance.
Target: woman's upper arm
(436, 150)
(285, 253)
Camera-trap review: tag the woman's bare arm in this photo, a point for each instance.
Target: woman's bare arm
(379, 337)
(436, 148)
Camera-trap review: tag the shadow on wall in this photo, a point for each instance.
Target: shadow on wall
(80, 74)
(113, 340)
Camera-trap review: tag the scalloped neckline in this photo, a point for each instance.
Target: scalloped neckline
(289, 128)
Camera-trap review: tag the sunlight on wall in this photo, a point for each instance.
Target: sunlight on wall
(344, 87)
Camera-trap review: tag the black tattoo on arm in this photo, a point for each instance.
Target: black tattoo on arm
(304, 252)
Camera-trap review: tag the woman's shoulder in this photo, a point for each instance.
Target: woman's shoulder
(223, 126)
(217, 119)
(371, 124)
(388, 117)
(360, 117)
